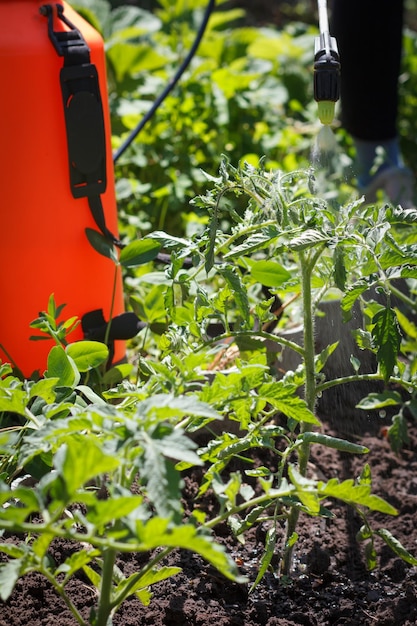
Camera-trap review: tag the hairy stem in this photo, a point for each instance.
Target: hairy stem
(310, 393)
(104, 605)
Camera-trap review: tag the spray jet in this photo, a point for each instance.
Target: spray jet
(326, 68)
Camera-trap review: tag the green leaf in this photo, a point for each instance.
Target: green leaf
(371, 556)
(339, 271)
(387, 336)
(157, 532)
(309, 239)
(332, 442)
(102, 512)
(233, 280)
(269, 273)
(284, 398)
(94, 577)
(350, 298)
(137, 583)
(81, 459)
(76, 561)
(398, 433)
(9, 575)
(139, 252)
(101, 244)
(62, 367)
(396, 546)
(168, 405)
(268, 553)
(353, 493)
(13, 401)
(44, 388)
(306, 490)
(87, 354)
(407, 325)
(375, 401)
(163, 481)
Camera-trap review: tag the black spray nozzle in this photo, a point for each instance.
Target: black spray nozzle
(326, 76)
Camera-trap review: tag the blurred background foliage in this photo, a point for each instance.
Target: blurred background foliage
(247, 93)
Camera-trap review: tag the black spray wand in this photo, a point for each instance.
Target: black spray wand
(326, 68)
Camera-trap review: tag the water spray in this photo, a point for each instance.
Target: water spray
(326, 68)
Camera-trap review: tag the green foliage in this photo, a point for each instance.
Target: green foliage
(97, 457)
(247, 92)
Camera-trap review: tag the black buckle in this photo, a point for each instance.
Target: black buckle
(66, 43)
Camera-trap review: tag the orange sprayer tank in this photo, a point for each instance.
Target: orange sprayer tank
(44, 248)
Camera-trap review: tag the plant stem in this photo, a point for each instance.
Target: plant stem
(310, 395)
(113, 297)
(62, 593)
(104, 606)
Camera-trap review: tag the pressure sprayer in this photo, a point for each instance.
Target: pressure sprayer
(56, 179)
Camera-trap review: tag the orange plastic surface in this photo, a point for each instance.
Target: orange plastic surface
(44, 248)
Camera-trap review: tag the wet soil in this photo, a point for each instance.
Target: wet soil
(330, 583)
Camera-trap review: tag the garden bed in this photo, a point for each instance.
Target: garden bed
(330, 584)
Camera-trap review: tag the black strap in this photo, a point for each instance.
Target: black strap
(84, 118)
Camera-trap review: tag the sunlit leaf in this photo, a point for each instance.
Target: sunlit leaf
(139, 252)
(87, 354)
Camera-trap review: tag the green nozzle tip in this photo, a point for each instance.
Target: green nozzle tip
(326, 111)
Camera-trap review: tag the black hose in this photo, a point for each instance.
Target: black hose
(170, 85)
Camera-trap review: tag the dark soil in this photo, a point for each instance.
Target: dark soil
(330, 584)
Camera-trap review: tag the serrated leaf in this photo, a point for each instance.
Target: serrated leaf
(284, 398)
(139, 252)
(157, 533)
(168, 405)
(353, 493)
(238, 290)
(406, 256)
(309, 239)
(387, 337)
(350, 298)
(255, 242)
(87, 354)
(321, 359)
